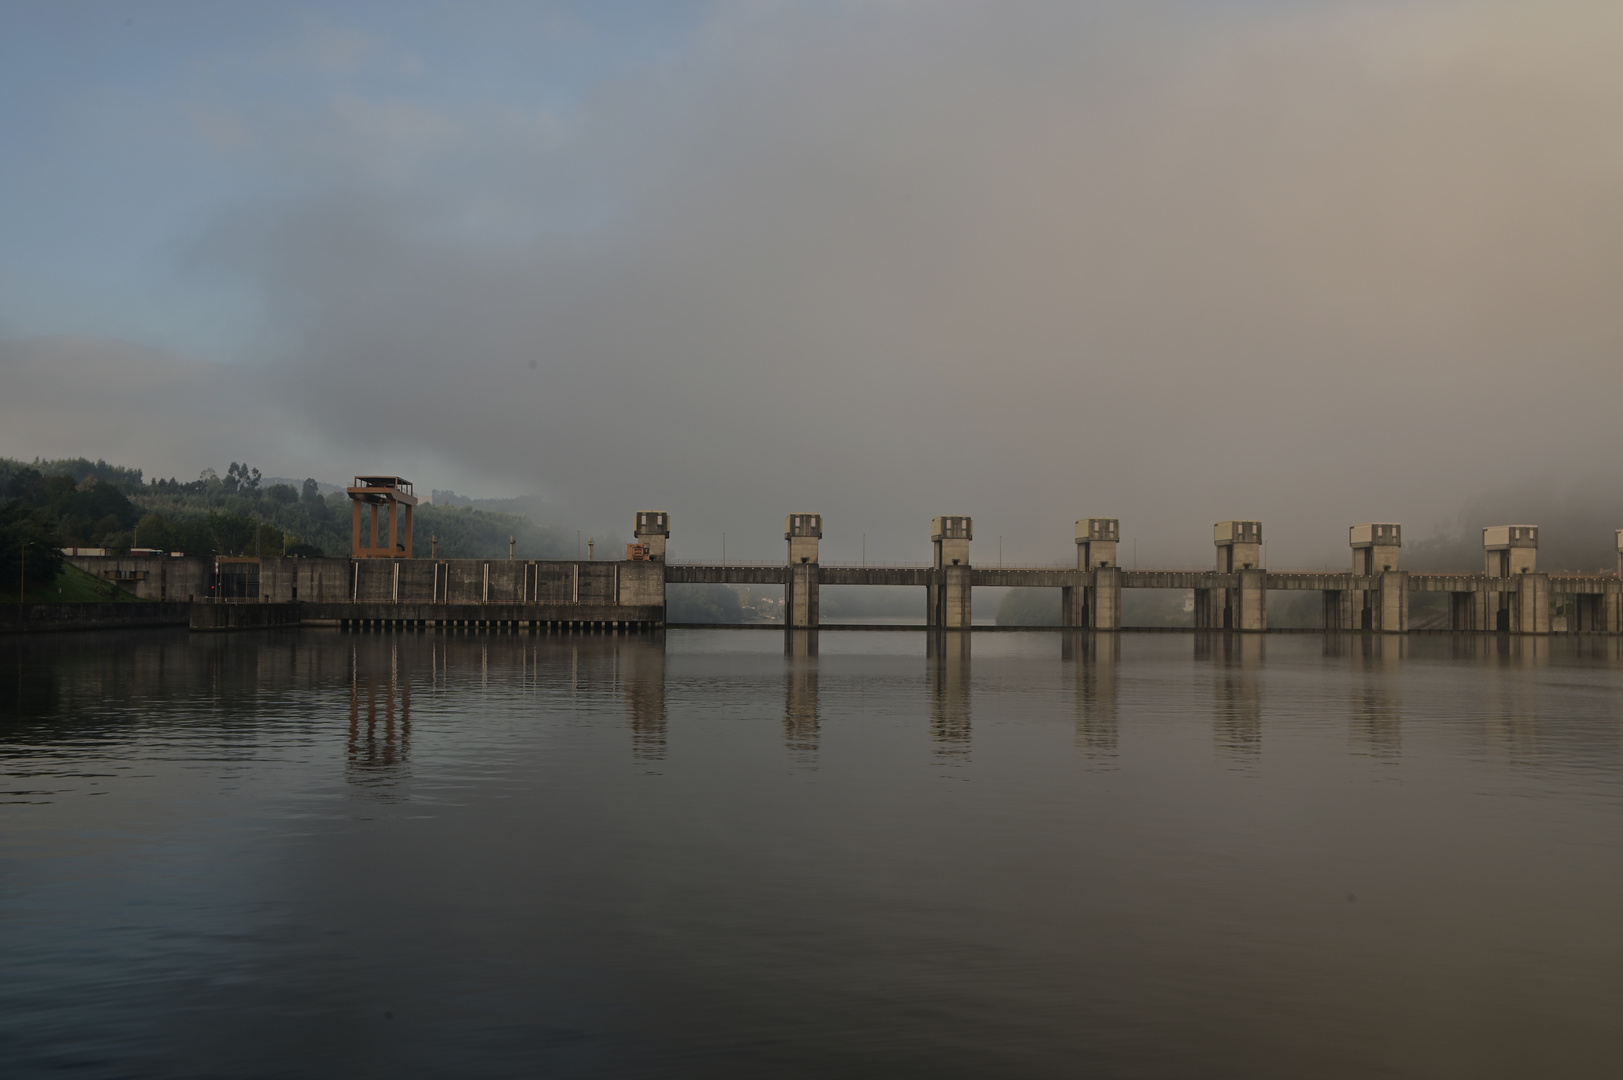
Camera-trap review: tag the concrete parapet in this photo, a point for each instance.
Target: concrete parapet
(474, 616)
(679, 574)
(874, 575)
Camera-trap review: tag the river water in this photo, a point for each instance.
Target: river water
(720, 853)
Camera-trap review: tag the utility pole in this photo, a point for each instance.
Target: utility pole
(512, 546)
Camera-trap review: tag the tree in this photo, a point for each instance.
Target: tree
(29, 546)
(704, 604)
(232, 534)
(282, 494)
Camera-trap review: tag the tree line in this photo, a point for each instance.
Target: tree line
(46, 505)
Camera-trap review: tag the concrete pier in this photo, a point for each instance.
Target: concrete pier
(1510, 554)
(802, 531)
(1241, 603)
(1376, 548)
(1095, 604)
(949, 603)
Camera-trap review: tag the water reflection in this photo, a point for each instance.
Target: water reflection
(376, 757)
(1236, 697)
(642, 684)
(183, 899)
(1094, 659)
(949, 695)
(800, 643)
(1377, 713)
(800, 718)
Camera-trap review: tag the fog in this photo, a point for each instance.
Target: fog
(1315, 264)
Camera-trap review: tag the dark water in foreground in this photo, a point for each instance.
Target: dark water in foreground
(315, 853)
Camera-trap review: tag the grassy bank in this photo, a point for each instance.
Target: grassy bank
(72, 585)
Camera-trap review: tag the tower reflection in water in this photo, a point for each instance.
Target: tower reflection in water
(949, 696)
(641, 666)
(1376, 725)
(1237, 715)
(1094, 659)
(379, 744)
(800, 720)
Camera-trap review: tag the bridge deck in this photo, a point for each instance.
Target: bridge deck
(1062, 577)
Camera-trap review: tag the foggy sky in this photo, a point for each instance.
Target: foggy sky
(1312, 263)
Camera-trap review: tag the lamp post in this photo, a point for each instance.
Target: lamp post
(22, 573)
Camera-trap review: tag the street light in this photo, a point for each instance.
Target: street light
(22, 573)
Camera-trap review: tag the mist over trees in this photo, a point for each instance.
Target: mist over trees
(1577, 521)
(76, 502)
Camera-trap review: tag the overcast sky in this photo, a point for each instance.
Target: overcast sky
(1316, 263)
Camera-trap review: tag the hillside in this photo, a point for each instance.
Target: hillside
(80, 503)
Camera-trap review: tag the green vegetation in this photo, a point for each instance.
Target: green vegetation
(71, 585)
(723, 604)
(1139, 607)
(1295, 610)
(1029, 607)
(49, 505)
(703, 604)
(1157, 607)
(842, 603)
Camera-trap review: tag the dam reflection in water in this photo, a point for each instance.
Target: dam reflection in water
(764, 853)
(379, 717)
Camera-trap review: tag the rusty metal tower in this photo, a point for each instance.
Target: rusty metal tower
(391, 493)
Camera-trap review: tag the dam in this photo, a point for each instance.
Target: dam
(381, 584)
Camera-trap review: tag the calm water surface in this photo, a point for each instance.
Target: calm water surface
(421, 854)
